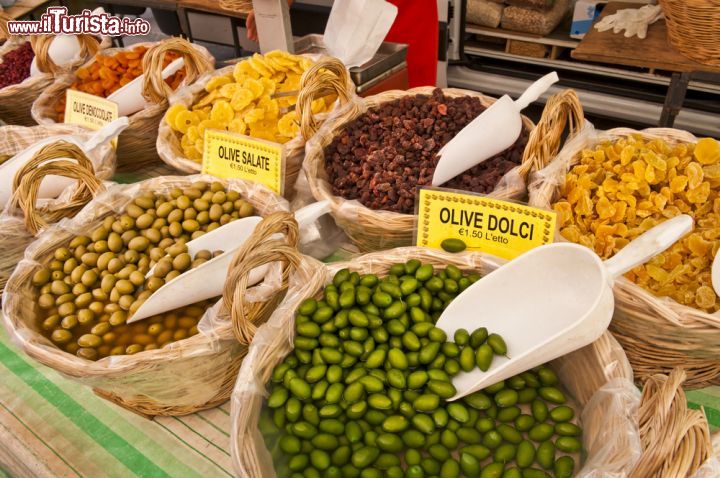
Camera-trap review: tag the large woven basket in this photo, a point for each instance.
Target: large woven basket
(16, 100)
(136, 144)
(181, 378)
(23, 218)
(692, 27)
(658, 334)
(598, 377)
(372, 230)
(327, 76)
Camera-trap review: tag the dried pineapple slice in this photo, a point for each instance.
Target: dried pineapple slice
(216, 82)
(222, 112)
(255, 87)
(241, 99)
(172, 113)
(184, 120)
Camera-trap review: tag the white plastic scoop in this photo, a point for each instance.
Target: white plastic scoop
(548, 302)
(494, 131)
(207, 280)
(716, 273)
(130, 98)
(52, 186)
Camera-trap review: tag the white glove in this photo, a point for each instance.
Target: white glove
(634, 21)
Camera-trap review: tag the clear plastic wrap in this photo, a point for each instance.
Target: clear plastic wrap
(181, 378)
(484, 13)
(598, 376)
(657, 333)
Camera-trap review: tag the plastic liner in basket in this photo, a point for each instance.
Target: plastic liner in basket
(657, 333)
(181, 378)
(623, 430)
(594, 365)
(16, 100)
(25, 216)
(372, 230)
(327, 76)
(136, 145)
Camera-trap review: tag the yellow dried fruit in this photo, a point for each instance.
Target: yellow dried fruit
(707, 151)
(242, 102)
(620, 189)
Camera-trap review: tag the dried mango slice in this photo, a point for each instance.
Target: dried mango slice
(184, 120)
(216, 82)
(222, 112)
(172, 113)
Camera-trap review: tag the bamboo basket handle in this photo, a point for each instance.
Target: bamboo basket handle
(259, 249)
(50, 160)
(675, 440)
(89, 46)
(325, 77)
(154, 88)
(562, 109)
(4, 19)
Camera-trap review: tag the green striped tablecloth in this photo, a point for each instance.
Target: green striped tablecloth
(53, 427)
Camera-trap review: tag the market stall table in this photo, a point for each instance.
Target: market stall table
(653, 52)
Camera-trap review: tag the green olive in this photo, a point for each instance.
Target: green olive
(61, 336)
(89, 340)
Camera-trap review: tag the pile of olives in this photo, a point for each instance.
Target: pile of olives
(92, 286)
(365, 391)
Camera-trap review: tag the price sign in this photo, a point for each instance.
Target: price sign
(230, 155)
(500, 228)
(90, 111)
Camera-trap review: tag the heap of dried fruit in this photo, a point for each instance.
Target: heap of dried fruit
(621, 189)
(244, 102)
(382, 157)
(15, 66)
(109, 73)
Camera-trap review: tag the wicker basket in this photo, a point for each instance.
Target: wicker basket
(16, 100)
(136, 144)
(598, 377)
(373, 230)
(22, 220)
(328, 75)
(693, 28)
(237, 6)
(181, 378)
(658, 334)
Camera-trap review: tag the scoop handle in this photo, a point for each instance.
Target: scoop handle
(310, 213)
(535, 90)
(106, 133)
(649, 244)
